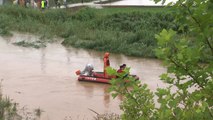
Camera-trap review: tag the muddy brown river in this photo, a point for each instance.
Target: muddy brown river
(45, 78)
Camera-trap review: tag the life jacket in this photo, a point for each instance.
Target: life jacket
(119, 71)
(106, 63)
(42, 4)
(106, 60)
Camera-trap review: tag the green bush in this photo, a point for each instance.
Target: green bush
(84, 14)
(4, 22)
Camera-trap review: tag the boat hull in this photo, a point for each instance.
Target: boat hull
(93, 79)
(99, 77)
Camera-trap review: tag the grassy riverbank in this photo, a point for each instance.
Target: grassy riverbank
(121, 30)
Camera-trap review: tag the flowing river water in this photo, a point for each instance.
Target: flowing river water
(45, 78)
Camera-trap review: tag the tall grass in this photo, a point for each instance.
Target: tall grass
(8, 110)
(121, 30)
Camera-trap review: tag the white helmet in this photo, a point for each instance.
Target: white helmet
(90, 66)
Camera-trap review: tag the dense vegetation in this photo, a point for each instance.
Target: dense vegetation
(189, 95)
(122, 30)
(7, 108)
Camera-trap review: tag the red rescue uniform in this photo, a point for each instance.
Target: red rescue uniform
(106, 63)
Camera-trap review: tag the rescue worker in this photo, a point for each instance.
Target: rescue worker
(39, 4)
(122, 67)
(43, 4)
(88, 70)
(106, 63)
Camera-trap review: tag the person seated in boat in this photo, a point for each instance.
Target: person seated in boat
(122, 67)
(121, 70)
(106, 63)
(88, 70)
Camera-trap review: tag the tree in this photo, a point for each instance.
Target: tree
(138, 100)
(188, 55)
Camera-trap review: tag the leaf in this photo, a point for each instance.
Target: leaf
(198, 110)
(114, 95)
(165, 36)
(180, 56)
(111, 71)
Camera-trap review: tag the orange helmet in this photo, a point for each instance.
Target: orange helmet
(106, 54)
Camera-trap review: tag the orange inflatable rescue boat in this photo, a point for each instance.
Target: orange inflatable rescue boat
(89, 75)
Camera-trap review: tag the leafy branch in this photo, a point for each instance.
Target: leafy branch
(199, 25)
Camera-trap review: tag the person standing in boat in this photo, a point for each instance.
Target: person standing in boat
(106, 63)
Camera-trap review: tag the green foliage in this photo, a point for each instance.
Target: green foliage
(138, 99)
(7, 108)
(120, 30)
(136, 21)
(127, 32)
(84, 14)
(182, 55)
(3, 25)
(189, 60)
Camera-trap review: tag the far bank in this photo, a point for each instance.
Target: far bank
(128, 30)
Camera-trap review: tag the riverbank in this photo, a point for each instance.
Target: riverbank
(129, 31)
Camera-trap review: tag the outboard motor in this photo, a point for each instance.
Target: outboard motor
(88, 70)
